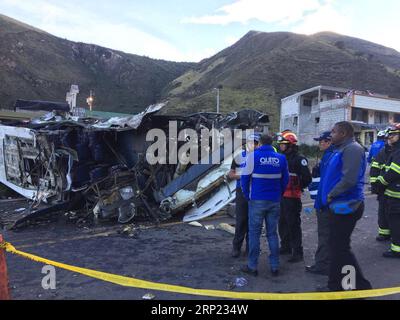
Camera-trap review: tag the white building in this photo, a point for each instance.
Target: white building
(312, 111)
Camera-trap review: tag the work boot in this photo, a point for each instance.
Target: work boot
(235, 253)
(382, 238)
(249, 271)
(391, 254)
(285, 251)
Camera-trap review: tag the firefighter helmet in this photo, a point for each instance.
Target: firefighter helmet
(287, 137)
(382, 134)
(394, 129)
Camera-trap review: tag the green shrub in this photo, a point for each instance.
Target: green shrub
(308, 151)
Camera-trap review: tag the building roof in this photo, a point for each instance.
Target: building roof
(320, 87)
(358, 125)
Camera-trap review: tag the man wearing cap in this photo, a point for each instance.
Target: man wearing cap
(322, 260)
(241, 208)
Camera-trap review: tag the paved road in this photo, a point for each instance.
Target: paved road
(176, 254)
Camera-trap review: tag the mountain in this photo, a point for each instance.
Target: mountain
(261, 68)
(255, 72)
(37, 65)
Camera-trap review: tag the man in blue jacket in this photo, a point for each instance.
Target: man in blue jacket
(322, 260)
(342, 189)
(264, 179)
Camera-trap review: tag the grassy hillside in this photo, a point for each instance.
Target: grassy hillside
(256, 72)
(37, 65)
(262, 68)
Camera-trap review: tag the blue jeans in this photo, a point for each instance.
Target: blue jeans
(260, 210)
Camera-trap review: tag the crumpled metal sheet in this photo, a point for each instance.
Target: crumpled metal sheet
(84, 161)
(132, 122)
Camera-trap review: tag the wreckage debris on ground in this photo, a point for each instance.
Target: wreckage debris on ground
(97, 168)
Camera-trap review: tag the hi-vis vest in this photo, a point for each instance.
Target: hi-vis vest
(334, 174)
(391, 176)
(378, 165)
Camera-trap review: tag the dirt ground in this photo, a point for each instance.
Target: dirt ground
(178, 254)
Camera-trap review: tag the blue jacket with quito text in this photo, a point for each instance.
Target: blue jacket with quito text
(265, 175)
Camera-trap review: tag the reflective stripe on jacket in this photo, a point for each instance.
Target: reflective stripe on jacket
(379, 167)
(390, 177)
(375, 149)
(265, 175)
(322, 171)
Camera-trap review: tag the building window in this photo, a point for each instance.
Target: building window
(358, 114)
(307, 102)
(368, 138)
(396, 118)
(317, 120)
(295, 121)
(381, 117)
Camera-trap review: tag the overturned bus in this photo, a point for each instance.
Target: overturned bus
(99, 167)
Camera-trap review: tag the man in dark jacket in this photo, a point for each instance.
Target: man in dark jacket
(389, 182)
(291, 206)
(322, 260)
(343, 191)
(378, 168)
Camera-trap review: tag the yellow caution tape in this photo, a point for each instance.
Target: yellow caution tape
(142, 284)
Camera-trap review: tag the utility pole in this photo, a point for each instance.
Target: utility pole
(90, 100)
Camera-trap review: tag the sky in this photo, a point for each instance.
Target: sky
(187, 30)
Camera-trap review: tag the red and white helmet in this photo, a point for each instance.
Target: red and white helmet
(287, 137)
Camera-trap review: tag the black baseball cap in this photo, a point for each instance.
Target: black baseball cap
(324, 136)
